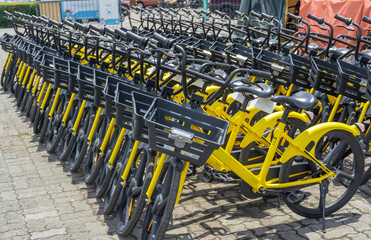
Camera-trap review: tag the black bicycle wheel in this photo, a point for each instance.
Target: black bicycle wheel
(56, 129)
(131, 204)
(161, 208)
(115, 185)
(78, 151)
(339, 151)
(106, 172)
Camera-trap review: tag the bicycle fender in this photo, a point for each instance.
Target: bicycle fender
(269, 122)
(307, 139)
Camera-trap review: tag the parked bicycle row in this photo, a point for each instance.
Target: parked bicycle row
(144, 108)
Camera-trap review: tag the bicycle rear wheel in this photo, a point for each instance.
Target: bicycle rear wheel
(340, 152)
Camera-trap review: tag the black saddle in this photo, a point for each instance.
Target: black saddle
(262, 90)
(303, 100)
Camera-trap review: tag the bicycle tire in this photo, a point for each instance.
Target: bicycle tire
(29, 103)
(115, 185)
(160, 217)
(346, 140)
(128, 213)
(44, 127)
(24, 101)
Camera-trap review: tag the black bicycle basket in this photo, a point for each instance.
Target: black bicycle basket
(182, 132)
(241, 56)
(300, 71)
(141, 103)
(324, 76)
(124, 105)
(85, 77)
(61, 74)
(353, 81)
(276, 64)
(73, 68)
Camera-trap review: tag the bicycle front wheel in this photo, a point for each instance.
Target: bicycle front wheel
(160, 210)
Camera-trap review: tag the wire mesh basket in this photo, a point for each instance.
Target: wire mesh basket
(73, 68)
(300, 71)
(324, 76)
(141, 103)
(353, 81)
(241, 56)
(47, 67)
(276, 64)
(6, 42)
(61, 75)
(85, 77)
(124, 104)
(99, 84)
(218, 53)
(182, 132)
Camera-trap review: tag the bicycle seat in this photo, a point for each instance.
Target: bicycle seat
(338, 51)
(264, 90)
(236, 38)
(303, 100)
(258, 41)
(366, 53)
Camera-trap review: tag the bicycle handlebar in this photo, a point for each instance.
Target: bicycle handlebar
(97, 29)
(295, 17)
(261, 74)
(255, 14)
(55, 23)
(267, 17)
(68, 23)
(120, 32)
(366, 19)
(347, 21)
(8, 13)
(141, 41)
(165, 42)
(81, 27)
(319, 20)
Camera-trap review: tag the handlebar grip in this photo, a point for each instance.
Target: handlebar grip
(81, 27)
(319, 20)
(366, 19)
(121, 33)
(40, 19)
(266, 16)
(109, 31)
(204, 11)
(222, 14)
(239, 13)
(8, 13)
(165, 42)
(68, 23)
(255, 14)
(95, 28)
(295, 17)
(347, 21)
(141, 41)
(55, 23)
(261, 74)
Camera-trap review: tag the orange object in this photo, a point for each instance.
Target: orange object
(327, 9)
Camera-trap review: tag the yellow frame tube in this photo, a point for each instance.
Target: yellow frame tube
(29, 85)
(107, 135)
(79, 116)
(68, 109)
(43, 104)
(55, 101)
(41, 92)
(155, 177)
(363, 113)
(35, 86)
(335, 108)
(116, 149)
(134, 151)
(95, 124)
(26, 76)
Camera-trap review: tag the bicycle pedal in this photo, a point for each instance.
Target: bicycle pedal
(296, 196)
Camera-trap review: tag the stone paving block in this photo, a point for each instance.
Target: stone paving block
(48, 233)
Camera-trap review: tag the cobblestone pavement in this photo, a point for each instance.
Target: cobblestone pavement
(41, 199)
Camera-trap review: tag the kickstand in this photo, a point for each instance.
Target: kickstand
(324, 191)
